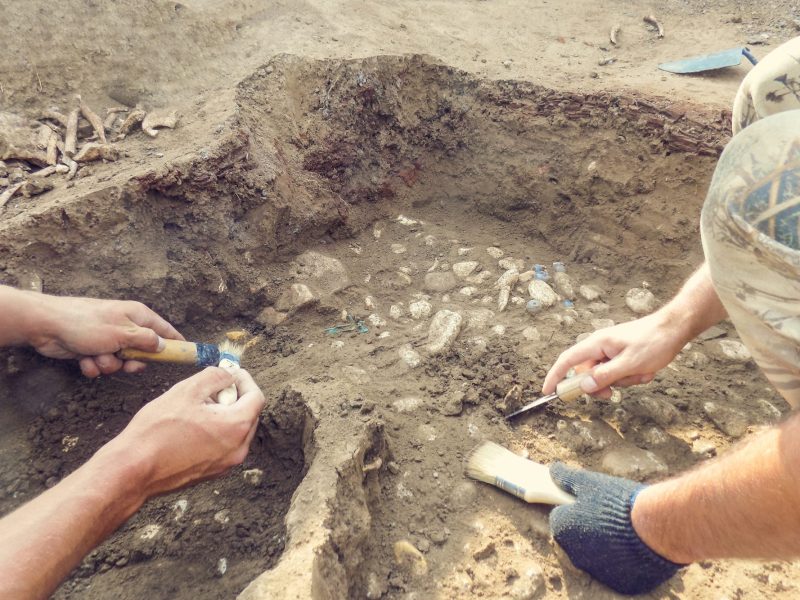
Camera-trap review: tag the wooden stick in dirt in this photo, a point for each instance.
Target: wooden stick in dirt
(91, 116)
(52, 148)
(6, 196)
(653, 21)
(71, 137)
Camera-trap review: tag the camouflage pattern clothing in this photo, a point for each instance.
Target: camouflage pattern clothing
(751, 219)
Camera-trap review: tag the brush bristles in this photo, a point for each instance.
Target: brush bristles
(232, 349)
(483, 461)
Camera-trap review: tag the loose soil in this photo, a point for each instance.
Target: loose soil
(279, 154)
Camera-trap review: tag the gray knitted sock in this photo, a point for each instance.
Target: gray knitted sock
(597, 534)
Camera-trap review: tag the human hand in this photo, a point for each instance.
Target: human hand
(625, 354)
(93, 330)
(184, 436)
(597, 534)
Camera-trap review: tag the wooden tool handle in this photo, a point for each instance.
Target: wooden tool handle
(175, 351)
(570, 389)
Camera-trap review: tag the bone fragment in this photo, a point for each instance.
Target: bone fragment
(91, 116)
(157, 119)
(71, 136)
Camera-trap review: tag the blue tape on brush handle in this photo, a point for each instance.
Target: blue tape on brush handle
(511, 488)
(231, 357)
(207, 355)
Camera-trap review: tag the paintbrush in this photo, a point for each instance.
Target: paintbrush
(230, 357)
(227, 356)
(520, 477)
(177, 352)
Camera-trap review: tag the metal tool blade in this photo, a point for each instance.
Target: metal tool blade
(532, 405)
(709, 62)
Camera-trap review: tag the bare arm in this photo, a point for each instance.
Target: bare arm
(632, 352)
(87, 329)
(179, 438)
(742, 505)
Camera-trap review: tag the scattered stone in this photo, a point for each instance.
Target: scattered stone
(409, 356)
(253, 476)
(729, 420)
(529, 584)
(179, 508)
(465, 269)
(632, 463)
(324, 274)
(369, 303)
(601, 323)
(563, 285)
(696, 359)
(407, 404)
(376, 321)
(591, 435)
(590, 293)
(454, 404)
(526, 276)
(376, 587)
(479, 318)
(222, 516)
(655, 409)
(443, 331)
(499, 329)
(479, 278)
(408, 557)
(539, 290)
(150, 532)
(713, 332)
(495, 252)
(393, 467)
(518, 301)
(440, 281)
(398, 248)
(769, 410)
(376, 232)
(485, 552)
(222, 566)
(420, 309)
(640, 300)
(704, 448)
(384, 334)
(734, 350)
(408, 222)
(395, 312)
(531, 334)
(464, 251)
(468, 291)
(598, 307)
(295, 298)
(655, 436)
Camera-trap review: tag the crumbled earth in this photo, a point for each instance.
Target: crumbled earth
(321, 189)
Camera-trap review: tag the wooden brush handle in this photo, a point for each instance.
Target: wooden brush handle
(570, 389)
(175, 351)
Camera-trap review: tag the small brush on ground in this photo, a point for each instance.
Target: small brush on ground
(520, 477)
(230, 356)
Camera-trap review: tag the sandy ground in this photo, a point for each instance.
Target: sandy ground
(274, 156)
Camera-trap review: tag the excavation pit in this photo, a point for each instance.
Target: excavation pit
(377, 183)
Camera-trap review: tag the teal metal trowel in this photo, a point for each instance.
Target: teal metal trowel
(709, 62)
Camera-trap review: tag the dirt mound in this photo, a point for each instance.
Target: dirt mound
(393, 170)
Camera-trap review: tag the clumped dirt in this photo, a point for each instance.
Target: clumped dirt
(388, 169)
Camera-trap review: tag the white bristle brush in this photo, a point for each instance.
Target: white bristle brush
(230, 356)
(523, 478)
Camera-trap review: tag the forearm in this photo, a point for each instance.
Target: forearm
(696, 307)
(46, 538)
(22, 314)
(742, 505)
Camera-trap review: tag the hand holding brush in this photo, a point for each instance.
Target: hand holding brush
(227, 355)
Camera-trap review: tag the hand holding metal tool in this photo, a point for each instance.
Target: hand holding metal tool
(568, 390)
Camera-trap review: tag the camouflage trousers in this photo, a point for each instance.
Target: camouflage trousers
(751, 219)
